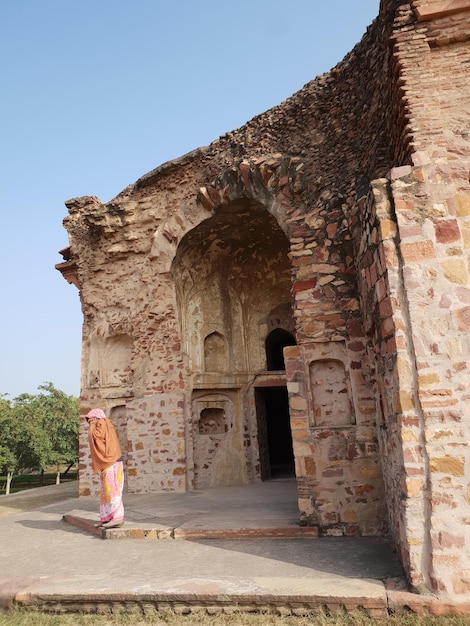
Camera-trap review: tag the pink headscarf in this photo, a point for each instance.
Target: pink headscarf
(95, 414)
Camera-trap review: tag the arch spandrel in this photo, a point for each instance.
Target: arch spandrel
(275, 181)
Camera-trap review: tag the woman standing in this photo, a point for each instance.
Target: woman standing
(107, 459)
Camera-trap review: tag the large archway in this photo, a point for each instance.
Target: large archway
(233, 281)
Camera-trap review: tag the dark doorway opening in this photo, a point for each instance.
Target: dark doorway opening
(274, 432)
(276, 341)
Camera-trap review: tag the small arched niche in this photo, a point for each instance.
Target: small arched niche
(275, 343)
(215, 353)
(212, 421)
(110, 360)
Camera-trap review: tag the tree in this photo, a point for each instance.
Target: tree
(38, 431)
(60, 417)
(8, 438)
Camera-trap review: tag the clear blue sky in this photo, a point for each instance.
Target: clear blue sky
(94, 94)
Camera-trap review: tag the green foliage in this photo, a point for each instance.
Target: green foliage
(8, 437)
(38, 431)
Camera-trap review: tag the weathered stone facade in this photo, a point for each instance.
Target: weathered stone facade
(296, 294)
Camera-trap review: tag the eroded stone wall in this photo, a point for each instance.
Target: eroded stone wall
(341, 217)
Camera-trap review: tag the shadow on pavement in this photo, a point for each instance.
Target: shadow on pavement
(352, 557)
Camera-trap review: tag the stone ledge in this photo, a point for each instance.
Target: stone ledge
(84, 524)
(211, 603)
(128, 531)
(379, 606)
(301, 532)
(134, 531)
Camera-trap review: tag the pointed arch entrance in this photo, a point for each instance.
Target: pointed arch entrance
(276, 341)
(233, 283)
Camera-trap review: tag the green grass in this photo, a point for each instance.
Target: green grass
(34, 618)
(31, 481)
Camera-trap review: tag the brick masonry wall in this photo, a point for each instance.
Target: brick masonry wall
(419, 342)
(412, 260)
(434, 396)
(428, 286)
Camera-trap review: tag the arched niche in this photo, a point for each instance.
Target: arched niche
(110, 360)
(331, 396)
(215, 353)
(212, 421)
(218, 444)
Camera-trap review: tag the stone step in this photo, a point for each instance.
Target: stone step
(133, 530)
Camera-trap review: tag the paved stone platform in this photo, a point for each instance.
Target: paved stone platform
(57, 566)
(264, 511)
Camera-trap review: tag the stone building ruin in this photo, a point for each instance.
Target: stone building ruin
(295, 297)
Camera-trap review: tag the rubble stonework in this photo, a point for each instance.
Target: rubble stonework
(297, 294)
